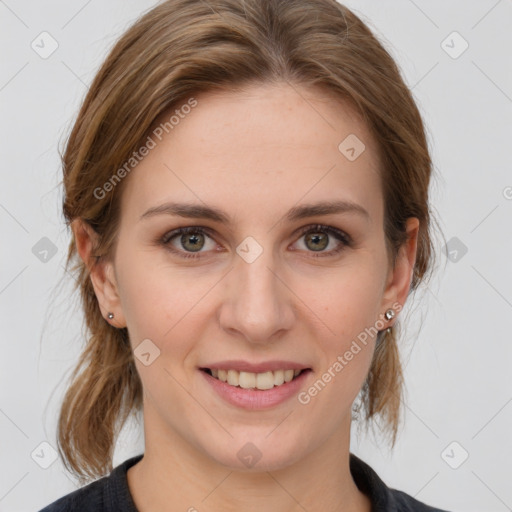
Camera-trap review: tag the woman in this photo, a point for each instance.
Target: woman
(247, 187)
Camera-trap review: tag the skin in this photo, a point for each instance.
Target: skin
(254, 154)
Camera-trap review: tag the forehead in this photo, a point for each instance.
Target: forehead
(261, 149)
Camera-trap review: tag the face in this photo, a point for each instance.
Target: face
(260, 280)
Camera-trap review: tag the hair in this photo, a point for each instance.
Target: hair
(184, 47)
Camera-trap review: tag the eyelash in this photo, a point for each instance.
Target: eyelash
(342, 237)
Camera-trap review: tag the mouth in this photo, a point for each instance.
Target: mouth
(255, 381)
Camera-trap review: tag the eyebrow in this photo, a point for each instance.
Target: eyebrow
(198, 211)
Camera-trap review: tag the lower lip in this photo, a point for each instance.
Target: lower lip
(256, 398)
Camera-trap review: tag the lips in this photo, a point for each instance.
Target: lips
(264, 395)
(246, 366)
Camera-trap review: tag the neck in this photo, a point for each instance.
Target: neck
(175, 476)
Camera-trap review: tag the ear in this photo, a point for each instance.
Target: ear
(101, 273)
(400, 277)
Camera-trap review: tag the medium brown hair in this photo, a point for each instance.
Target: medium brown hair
(183, 47)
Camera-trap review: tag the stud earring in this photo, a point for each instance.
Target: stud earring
(110, 316)
(389, 314)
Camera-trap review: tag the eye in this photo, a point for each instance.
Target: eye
(318, 237)
(188, 242)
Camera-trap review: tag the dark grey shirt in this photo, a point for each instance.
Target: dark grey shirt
(111, 493)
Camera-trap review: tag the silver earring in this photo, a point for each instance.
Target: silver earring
(110, 316)
(389, 314)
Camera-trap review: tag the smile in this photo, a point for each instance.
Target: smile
(249, 380)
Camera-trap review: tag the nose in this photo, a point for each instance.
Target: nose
(258, 303)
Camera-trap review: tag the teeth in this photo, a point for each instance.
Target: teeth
(233, 377)
(249, 380)
(278, 377)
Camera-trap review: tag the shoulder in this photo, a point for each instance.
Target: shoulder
(382, 497)
(406, 503)
(91, 497)
(109, 493)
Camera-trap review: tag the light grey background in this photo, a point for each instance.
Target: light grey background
(457, 349)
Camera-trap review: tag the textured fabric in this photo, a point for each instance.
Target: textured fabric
(382, 497)
(111, 493)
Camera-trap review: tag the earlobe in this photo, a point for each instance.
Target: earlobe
(101, 272)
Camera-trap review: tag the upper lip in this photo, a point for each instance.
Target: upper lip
(246, 366)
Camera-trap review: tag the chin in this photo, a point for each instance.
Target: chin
(257, 455)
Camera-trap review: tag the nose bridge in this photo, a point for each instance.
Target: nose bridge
(259, 305)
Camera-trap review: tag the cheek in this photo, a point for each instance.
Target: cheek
(347, 300)
(348, 306)
(159, 302)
